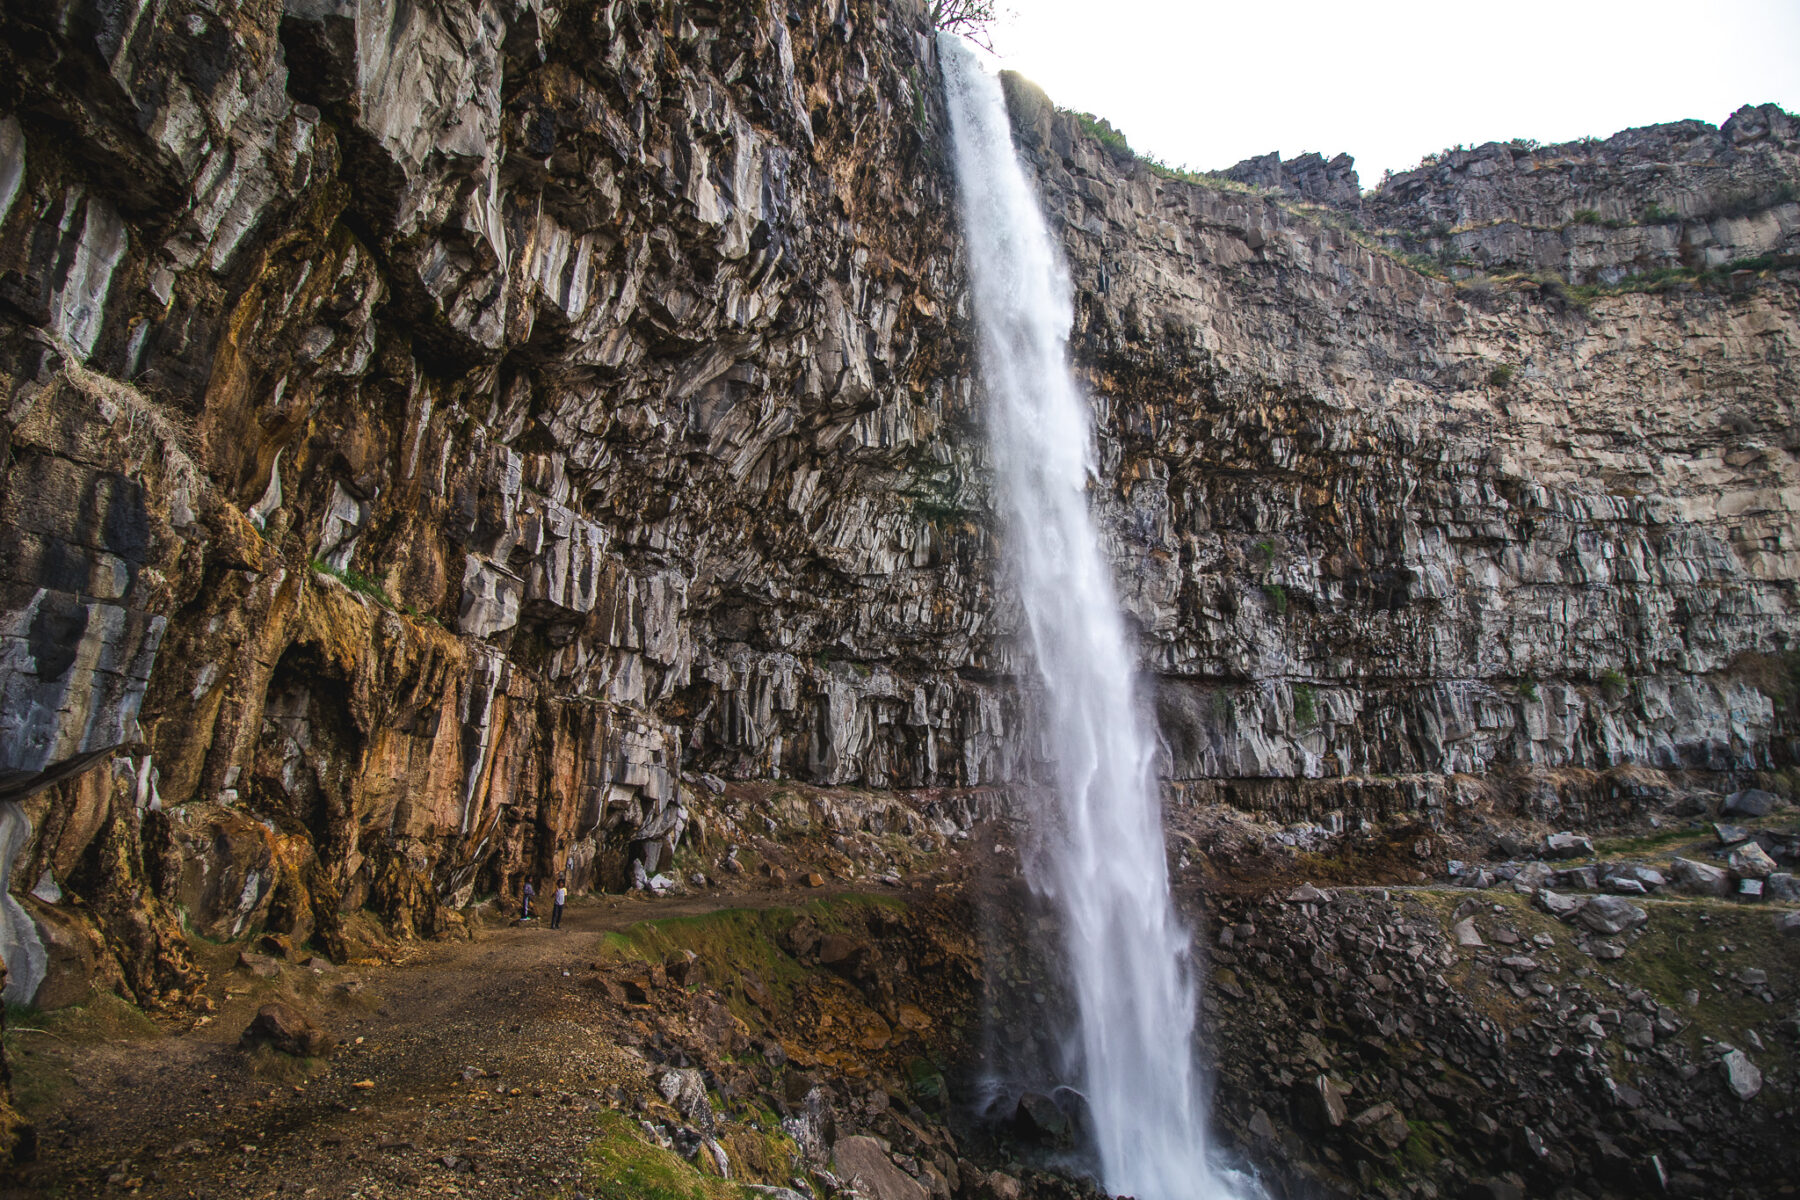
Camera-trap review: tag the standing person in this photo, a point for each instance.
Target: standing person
(525, 904)
(556, 903)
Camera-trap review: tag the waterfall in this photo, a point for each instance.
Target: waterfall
(1102, 863)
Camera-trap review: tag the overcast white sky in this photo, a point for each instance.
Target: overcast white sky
(1206, 84)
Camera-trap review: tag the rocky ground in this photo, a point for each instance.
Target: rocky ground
(832, 1012)
(486, 1066)
(1568, 1016)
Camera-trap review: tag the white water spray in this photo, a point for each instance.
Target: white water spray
(1104, 865)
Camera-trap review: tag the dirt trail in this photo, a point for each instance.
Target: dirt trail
(189, 1114)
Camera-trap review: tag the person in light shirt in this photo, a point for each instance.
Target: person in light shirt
(556, 903)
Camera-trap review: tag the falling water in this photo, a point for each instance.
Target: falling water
(1103, 866)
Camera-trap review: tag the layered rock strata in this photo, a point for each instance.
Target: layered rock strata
(1374, 524)
(431, 430)
(1685, 196)
(437, 436)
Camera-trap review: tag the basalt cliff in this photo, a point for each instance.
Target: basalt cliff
(451, 443)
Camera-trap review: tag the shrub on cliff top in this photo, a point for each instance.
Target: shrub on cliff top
(1102, 131)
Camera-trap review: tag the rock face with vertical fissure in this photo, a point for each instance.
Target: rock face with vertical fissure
(439, 436)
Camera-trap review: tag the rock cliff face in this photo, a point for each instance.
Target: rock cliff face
(432, 429)
(440, 436)
(1374, 523)
(1682, 196)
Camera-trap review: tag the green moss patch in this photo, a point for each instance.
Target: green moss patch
(622, 1164)
(1703, 945)
(734, 941)
(1688, 943)
(1696, 840)
(38, 1045)
(1663, 841)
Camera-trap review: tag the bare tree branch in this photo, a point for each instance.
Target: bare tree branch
(972, 19)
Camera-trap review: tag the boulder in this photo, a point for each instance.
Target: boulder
(685, 1090)
(1741, 1075)
(1306, 893)
(683, 968)
(228, 863)
(1004, 1187)
(1638, 1032)
(77, 959)
(1579, 879)
(1615, 875)
(277, 945)
(1702, 879)
(1508, 846)
(843, 955)
(1386, 1123)
(1751, 861)
(1557, 905)
(259, 965)
(1567, 845)
(863, 1164)
(640, 980)
(1467, 935)
(1531, 877)
(1320, 1103)
(282, 1028)
(1611, 914)
(1037, 1118)
(1730, 835)
(1782, 887)
(1751, 802)
(1788, 922)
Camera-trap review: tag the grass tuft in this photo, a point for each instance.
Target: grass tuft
(1306, 705)
(622, 1165)
(1614, 684)
(362, 585)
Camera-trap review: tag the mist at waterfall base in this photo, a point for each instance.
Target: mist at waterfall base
(1102, 863)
